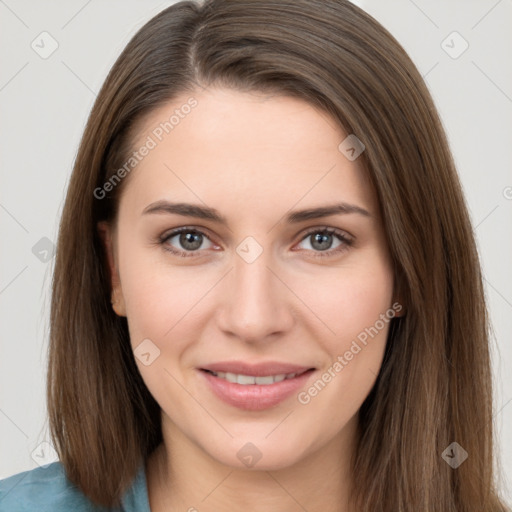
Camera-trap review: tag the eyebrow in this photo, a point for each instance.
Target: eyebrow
(204, 212)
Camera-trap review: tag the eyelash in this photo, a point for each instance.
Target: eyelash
(342, 237)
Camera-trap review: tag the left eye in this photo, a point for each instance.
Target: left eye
(321, 241)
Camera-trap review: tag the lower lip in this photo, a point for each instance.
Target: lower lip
(255, 397)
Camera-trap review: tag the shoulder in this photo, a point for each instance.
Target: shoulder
(43, 489)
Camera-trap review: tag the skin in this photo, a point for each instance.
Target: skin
(254, 158)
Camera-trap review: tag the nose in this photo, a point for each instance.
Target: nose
(255, 304)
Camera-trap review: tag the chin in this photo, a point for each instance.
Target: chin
(256, 453)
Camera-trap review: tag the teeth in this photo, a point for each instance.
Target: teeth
(244, 379)
(249, 379)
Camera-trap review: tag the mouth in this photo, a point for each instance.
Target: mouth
(256, 388)
(248, 380)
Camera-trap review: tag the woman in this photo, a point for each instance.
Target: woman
(267, 294)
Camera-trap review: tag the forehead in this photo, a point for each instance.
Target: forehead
(244, 149)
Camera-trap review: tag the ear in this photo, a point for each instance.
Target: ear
(106, 233)
(399, 308)
(399, 305)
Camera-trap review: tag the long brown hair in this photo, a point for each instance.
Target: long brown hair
(434, 387)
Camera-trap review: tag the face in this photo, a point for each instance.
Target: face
(246, 279)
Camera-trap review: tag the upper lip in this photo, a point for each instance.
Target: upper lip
(256, 370)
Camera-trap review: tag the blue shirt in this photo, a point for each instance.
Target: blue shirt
(47, 489)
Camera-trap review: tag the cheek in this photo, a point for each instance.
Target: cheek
(348, 299)
(354, 304)
(159, 300)
(153, 297)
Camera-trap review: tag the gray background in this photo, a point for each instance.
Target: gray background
(44, 104)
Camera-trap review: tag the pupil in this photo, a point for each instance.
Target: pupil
(190, 240)
(321, 241)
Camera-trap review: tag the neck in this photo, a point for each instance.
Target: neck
(181, 476)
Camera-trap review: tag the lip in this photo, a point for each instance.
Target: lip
(257, 370)
(255, 397)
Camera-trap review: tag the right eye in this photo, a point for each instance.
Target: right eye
(185, 241)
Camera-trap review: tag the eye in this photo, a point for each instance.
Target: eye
(321, 241)
(188, 241)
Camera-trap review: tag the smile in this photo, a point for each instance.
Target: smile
(255, 392)
(251, 379)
